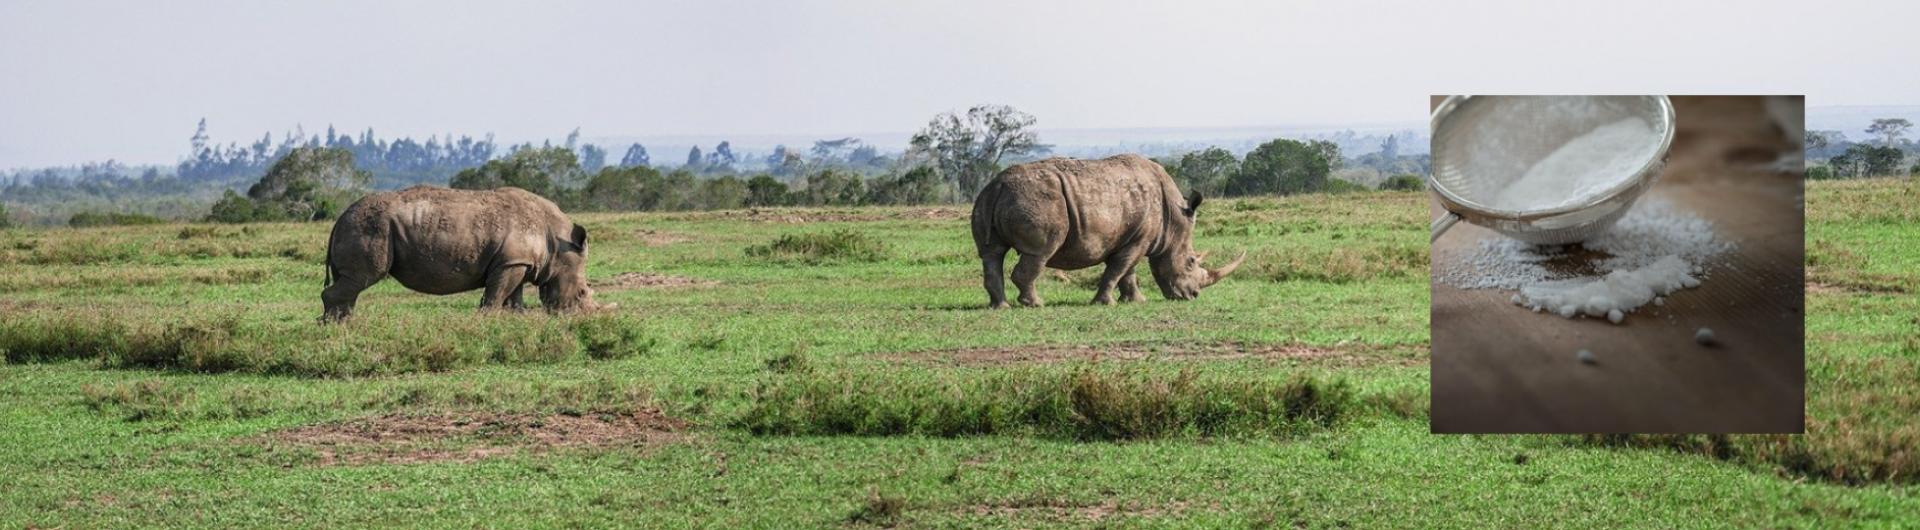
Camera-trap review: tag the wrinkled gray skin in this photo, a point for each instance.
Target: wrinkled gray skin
(443, 241)
(1073, 214)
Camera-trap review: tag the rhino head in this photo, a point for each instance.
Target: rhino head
(1178, 269)
(565, 288)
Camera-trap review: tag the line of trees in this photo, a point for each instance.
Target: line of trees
(949, 160)
(1844, 158)
(556, 173)
(1285, 167)
(392, 163)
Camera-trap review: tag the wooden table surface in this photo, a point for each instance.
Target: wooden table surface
(1501, 368)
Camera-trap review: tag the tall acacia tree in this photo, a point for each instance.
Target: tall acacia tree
(1889, 129)
(968, 149)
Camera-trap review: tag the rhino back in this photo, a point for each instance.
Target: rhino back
(1097, 206)
(445, 240)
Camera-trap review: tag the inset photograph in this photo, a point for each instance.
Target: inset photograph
(1617, 264)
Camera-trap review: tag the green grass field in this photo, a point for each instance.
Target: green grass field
(174, 376)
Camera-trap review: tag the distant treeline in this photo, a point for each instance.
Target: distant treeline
(313, 177)
(1832, 155)
(316, 183)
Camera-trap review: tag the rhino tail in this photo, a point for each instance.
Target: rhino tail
(330, 273)
(983, 216)
(328, 282)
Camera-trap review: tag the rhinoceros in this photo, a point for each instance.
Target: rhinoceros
(1072, 214)
(444, 241)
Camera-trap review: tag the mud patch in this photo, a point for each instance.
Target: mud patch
(656, 238)
(1048, 354)
(1841, 286)
(817, 215)
(1062, 510)
(14, 306)
(648, 280)
(403, 439)
(936, 213)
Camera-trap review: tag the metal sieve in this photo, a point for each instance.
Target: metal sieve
(1482, 144)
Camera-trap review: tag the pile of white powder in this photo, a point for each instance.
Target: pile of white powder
(1585, 166)
(1653, 251)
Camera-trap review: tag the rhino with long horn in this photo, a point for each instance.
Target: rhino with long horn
(1073, 214)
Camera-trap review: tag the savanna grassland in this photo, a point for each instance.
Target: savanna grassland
(835, 367)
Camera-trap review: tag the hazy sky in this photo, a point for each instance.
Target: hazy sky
(87, 80)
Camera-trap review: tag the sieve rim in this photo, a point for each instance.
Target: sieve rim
(1469, 209)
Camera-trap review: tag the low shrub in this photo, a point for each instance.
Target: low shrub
(844, 245)
(1404, 183)
(24, 340)
(91, 219)
(358, 348)
(603, 338)
(139, 400)
(1087, 403)
(1346, 264)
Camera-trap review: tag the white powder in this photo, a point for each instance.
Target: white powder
(1653, 251)
(1609, 295)
(1583, 167)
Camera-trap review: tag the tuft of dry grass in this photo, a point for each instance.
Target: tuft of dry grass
(1857, 432)
(172, 399)
(1087, 403)
(1344, 264)
(839, 245)
(223, 344)
(878, 510)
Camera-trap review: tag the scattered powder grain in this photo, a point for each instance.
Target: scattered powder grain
(1654, 250)
(1704, 336)
(1608, 295)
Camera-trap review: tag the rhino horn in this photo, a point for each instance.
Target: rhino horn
(1215, 275)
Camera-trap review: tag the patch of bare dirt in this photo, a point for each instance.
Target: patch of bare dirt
(936, 213)
(1824, 288)
(802, 216)
(13, 306)
(813, 215)
(648, 280)
(1065, 510)
(401, 439)
(1047, 354)
(656, 238)
(1843, 286)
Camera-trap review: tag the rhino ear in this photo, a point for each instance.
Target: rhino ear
(1193, 204)
(580, 237)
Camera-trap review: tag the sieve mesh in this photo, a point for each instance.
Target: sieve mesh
(1482, 144)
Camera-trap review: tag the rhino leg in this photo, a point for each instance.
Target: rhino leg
(366, 263)
(1119, 273)
(501, 283)
(515, 301)
(1130, 287)
(339, 299)
(1024, 274)
(1110, 278)
(993, 262)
